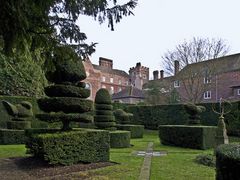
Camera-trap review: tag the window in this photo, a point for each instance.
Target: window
(238, 92)
(144, 76)
(111, 80)
(103, 79)
(127, 83)
(103, 86)
(119, 82)
(88, 86)
(207, 80)
(176, 83)
(112, 90)
(207, 95)
(119, 89)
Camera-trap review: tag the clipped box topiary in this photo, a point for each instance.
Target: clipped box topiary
(119, 139)
(228, 162)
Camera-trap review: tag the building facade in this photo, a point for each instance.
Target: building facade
(205, 81)
(114, 80)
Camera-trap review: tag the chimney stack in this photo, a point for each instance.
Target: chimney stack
(155, 75)
(161, 74)
(108, 63)
(176, 67)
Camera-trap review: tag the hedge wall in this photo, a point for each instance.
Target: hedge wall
(12, 136)
(71, 147)
(228, 162)
(196, 137)
(17, 99)
(153, 116)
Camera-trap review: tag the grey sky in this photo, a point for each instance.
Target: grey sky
(158, 26)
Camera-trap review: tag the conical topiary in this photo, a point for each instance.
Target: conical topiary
(68, 95)
(104, 118)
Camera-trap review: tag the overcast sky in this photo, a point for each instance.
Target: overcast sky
(160, 25)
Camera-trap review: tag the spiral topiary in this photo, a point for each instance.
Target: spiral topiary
(104, 118)
(67, 97)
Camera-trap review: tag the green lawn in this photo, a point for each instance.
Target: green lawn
(178, 164)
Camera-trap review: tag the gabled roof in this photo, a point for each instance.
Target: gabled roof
(129, 92)
(110, 71)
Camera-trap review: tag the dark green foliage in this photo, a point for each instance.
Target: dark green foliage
(65, 104)
(15, 100)
(136, 130)
(122, 117)
(228, 162)
(194, 111)
(103, 97)
(206, 160)
(23, 109)
(68, 148)
(153, 116)
(119, 139)
(67, 70)
(12, 136)
(196, 137)
(20, 125)
(60, 90)
(21, 75)
(104, 112)
(104, 118)
(103, 107)
(57, 117)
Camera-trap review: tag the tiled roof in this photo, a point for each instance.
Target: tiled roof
(110, 71)
(129, 92)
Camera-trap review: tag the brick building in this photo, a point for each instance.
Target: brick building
(205, 81)
(114, 80)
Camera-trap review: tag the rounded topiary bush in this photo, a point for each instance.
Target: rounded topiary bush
(119, 139)
(103, 97)
(228, 162)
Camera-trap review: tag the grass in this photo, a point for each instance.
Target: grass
(179, 163)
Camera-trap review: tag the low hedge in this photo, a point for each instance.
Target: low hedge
(60, 90)
(71, 147)
(65, 104)
(228, 162)
(12, 136)
(196, 137)
(20, 125)
(119, 139)
(136, 130)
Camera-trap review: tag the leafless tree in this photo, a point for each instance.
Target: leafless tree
(195, 79)
(196, 50)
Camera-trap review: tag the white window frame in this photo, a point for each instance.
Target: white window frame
(207, 95)
(127, 83)
(119, 81)
(238, 92)
(103, 79)
(119, 89)
(176, 83)
(111, 80)
(103, 86)
(111, 89)
(207, 80)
